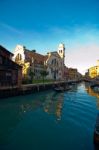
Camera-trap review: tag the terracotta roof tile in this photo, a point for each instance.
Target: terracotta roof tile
(38, 58)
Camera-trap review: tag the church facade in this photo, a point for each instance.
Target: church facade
(53, 62)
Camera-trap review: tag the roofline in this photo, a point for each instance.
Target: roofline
(94, 66)
(6, 50)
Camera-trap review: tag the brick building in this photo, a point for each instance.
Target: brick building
(10, 72)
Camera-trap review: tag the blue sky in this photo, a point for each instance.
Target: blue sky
(43, 24)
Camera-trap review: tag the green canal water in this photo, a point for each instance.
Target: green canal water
(49, 120)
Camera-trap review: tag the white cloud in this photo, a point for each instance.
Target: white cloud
(82, 45)
(82, 57)
(10, 28)
(82, 42)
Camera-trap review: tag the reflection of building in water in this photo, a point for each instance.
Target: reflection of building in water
(91, 92)
(54, 105)
(32, 105)
(51, 104)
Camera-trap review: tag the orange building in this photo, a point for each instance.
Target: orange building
(94, 71)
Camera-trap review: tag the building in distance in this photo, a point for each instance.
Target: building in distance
(94, 71)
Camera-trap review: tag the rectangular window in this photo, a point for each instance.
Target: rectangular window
(51, 70)
(0, 60)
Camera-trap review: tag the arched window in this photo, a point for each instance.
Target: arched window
(18, 57)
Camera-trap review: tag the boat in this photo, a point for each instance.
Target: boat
(67, 88)
(59, 89)
(96, 89)
(94, 84)
(96, 131)
(73, 83)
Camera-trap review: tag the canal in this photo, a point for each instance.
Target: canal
(49, 120)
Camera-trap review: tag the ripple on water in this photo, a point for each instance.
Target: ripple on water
(80, 109)
(76, 112)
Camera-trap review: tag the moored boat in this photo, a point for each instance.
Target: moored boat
(67, 88)
(59, 89)
(96, 131)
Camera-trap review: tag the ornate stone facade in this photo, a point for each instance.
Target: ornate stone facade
(53, 62)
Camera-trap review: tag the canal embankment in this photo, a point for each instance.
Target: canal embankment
(31, 88)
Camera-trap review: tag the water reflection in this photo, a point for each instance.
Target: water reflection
(92, 92)
(74, 87)
(53, 105)
(30, 120)
(50, 103)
